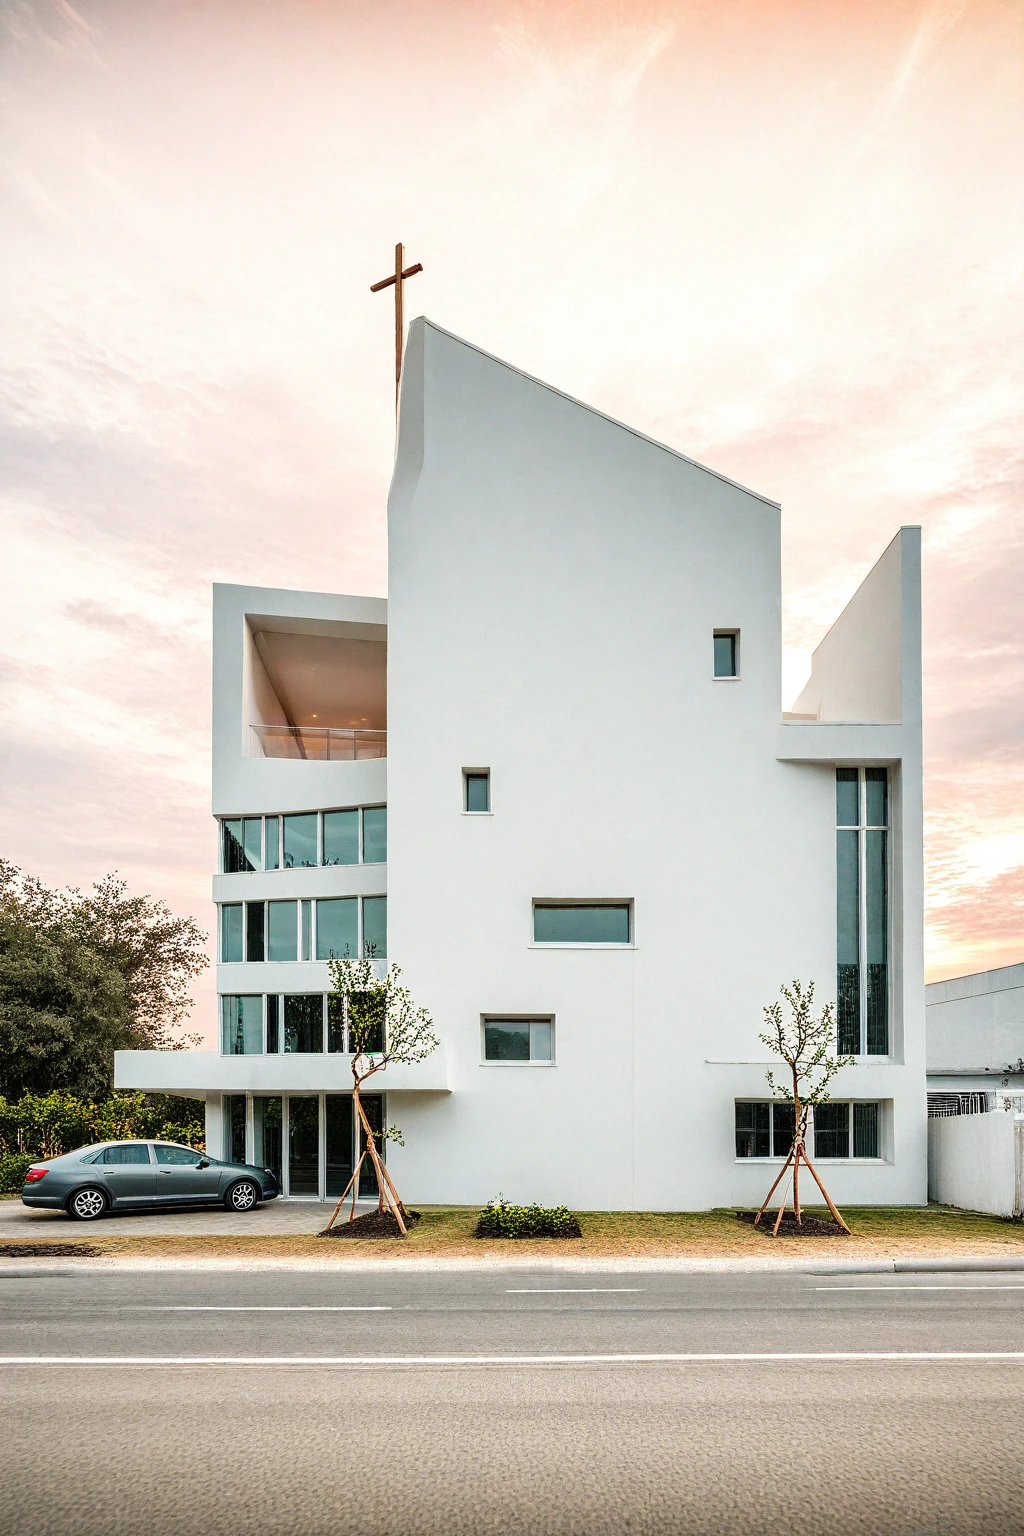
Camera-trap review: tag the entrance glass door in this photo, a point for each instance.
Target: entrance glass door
(373, 1106)
(304, 1145)
(266, 1134)
(338, 1115)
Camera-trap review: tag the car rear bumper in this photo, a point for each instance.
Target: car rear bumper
(47, 1202)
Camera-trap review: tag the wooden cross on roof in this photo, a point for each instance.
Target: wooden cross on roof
(398, 277)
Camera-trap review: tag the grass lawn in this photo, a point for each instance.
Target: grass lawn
(447, 1231)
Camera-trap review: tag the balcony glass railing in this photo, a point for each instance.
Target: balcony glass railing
(320, 744)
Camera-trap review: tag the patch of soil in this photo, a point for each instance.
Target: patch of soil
(49, 1251)
(373, 1224)
(811, 1226)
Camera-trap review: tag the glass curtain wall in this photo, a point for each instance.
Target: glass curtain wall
(862, 914)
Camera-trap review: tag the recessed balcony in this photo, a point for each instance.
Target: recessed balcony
(315, 690)
(319, 744)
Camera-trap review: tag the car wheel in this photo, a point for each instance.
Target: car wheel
(87, 1204)
(243, 1196)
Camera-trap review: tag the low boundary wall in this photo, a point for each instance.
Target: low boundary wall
(976, 1162)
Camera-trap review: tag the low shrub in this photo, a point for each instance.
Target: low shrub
(499, 1219)
(12, 1171)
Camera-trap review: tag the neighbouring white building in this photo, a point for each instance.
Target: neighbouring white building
(551, 778)
(975, 1034)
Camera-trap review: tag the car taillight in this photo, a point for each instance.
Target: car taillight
(34, 1175)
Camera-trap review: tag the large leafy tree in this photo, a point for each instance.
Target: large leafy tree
(83, 975)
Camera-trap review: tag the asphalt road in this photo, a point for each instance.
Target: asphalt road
(392, 1403)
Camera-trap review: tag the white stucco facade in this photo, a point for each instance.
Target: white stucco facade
(556, 581)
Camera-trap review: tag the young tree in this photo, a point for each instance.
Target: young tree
(804, 1042)
(84, 975)
(384, 1025)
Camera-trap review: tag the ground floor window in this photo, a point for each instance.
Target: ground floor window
(765, 1128)
(519, 1040)
(309, 1141)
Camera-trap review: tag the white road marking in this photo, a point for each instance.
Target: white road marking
(919, 1287)
(768, 1358)
(266, 1309)
(580, 1290)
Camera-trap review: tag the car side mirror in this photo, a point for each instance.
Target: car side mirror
(204, 1162)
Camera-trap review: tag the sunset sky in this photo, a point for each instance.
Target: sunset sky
(784, 236)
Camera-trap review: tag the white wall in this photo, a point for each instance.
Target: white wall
(857, 668)
(971, 1162)
(555, 580)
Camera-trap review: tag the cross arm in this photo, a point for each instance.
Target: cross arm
(386, 282)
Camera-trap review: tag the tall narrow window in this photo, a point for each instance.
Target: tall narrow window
(234, 1125)
(300, 841)
(341, 837)
(255, 925)
(862, 911)
(304, 1024)
(375, 834)
(243, 844)
(375, 927)
(273, 842)
(241, 1026)
(727, 653)
(283, 930)
(231, 932)
(273, 1025)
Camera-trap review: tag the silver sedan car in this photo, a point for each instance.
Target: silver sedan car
(137, 1175)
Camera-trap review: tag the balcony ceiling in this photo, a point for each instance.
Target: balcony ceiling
(321, 680)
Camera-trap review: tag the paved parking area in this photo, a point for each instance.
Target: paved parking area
(278, 1216)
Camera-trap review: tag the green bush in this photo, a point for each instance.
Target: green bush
(12, 1171)
(45, 1125)
(499, 1219)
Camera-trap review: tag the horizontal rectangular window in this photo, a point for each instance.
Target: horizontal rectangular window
(305, 839)
(337, 928)
(847, 1130)
(241, 1026)
(231, 932)
(583, 923)
(519, 1040)
(764, 1128)
(375, 927)
(283, 930)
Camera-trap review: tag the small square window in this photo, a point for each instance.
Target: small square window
(519, 1040)
(476, 789)
(727, 653)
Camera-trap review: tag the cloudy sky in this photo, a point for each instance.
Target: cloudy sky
(783, 236)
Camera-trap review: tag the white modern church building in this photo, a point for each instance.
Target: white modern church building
(551, 778)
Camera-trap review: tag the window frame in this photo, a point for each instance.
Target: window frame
(723, 633)
(279, 816)
(852, 1104)
(531, 1019)
(476, 773)
(862, 827)
(561, 903)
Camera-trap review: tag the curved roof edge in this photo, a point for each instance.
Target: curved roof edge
(695, 463)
